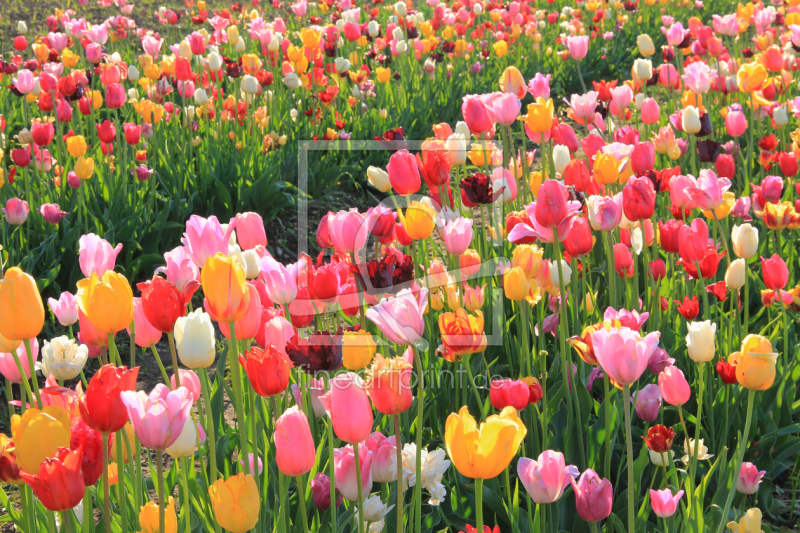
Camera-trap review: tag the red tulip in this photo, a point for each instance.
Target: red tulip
(20, 43)
(689, 309)
(643, 157)
(719, 289)
(708, 264)
(106, 132)
(725, 166)
(658, 270)
(477, 115)
(163, 303)
(101, 407)
(133, 133)
(623, 261)
(267, 370)
(91, 442)
(435, 164)
(693, 241)
(775, 272)
(115, 96)
(183, 69)
(659, 438)
(727, 372)
(59, 483)
(551, 205)
(21, 157)
(403, 173)
(519, 217)
(42, 133)
(579, 241)
(638, 199)
(324, 282)
(788, 164)
(505, 392)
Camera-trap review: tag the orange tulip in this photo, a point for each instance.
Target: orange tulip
(225, 289)
(21, 308)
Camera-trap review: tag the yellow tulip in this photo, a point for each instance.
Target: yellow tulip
(725, 208)
(749, 523)
(21, 308)
(528, 257)
(384, 74)
(310, 37)
(500, 48)
(606, 169)
(148, 518)
(225, 288)
(516, 284)
(84, 167)
(107, 302)
(251, 63)
(481, 155)
(76, 145)
(419, 220)
(358, 348)
(41, 52)
(755, 363)
(437, 300)
(69, 58)
(233, 35)
(540, 115)
(535, 180)
(486, 451)
(752, 77)
(235, 502)
(39, 434)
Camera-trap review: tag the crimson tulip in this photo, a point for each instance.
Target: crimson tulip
(775, 272)
(669, 235)
(267, 370)
(708, 264)
(638, 199)
(727, 372)
(689, 309)
(725, 166)
(101, 407)
(788, 163)
(623, 261)
(106, 132)
(163, 303)
(505, 392)
(91, 442)
(693, 241)
(659, 438)
(59, 483)
(42, 133)
(579, 241)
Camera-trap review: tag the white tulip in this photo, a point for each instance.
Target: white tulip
(194, 337)
(63, 358)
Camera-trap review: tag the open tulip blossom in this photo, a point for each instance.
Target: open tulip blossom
(400, 266)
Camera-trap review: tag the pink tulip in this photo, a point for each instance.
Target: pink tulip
(673, 386)
(294, 446)
(344, 461)
(384, 457)
(605, 213)
(280, 281)
(552, 209)
(647, 402)
(749, 478)
(321, 492)
(115, 96)
(650, 112)
(151, 45)
(189, 380)
(251, 458)
(146, 334)
(546, 478)
(347, 403)
(506, 108)
(404, 173)
(664, 503)
(709, 190)
(316, 388)
(65, 308)
(205, 237)
(8, 366)
(726, 25)
(578, 46)
(697, 77)
(458, 235)
(623, 353)
(348, 231)
(25, 81)
(659, 361)
(250, 230)
(539, 86)
(180, 268)
(401, 318)
(477, 115)
(668, 76)
(96, 256)
(16, 211)
(159, 417)
(63, 111)
(505, 392)
(677, 191)
(593, 496)
(643, 158)
(94, 53)
(52, 213)
(583, 105)
(621, 98)
(735, 121)
(675, 34)
(627, 319)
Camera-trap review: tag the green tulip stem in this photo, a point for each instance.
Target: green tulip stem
(398, 442)
(360, 490)
(162, 496)
(478, 504)
(302, 497)
(106, 489)
(742, 447)
(626, 389)
(31, 368)
(174, 355)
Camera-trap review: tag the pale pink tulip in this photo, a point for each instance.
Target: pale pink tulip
(96, 256)
(159, 417)
(294, 446)
(347, 403)
(65, 308)
(623, 353)
(546, 478)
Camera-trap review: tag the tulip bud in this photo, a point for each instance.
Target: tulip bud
(240, 46)
(745, 241)
(402, 47)
(133, 73)
(373, 28)
(700, 341)
(342, 65)
(515, 284)
(457, 146)
(214, 61)
(642, 69)
(645, 44)
(736, 275)
(690, 120)
(379, 179)
(22, 27)
(565, 270)
(477, 9)
(401, 9)
(780, 117)
(200, 97)
(561, 158)
(250, 84)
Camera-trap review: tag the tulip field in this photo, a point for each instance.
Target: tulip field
(417, 267)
